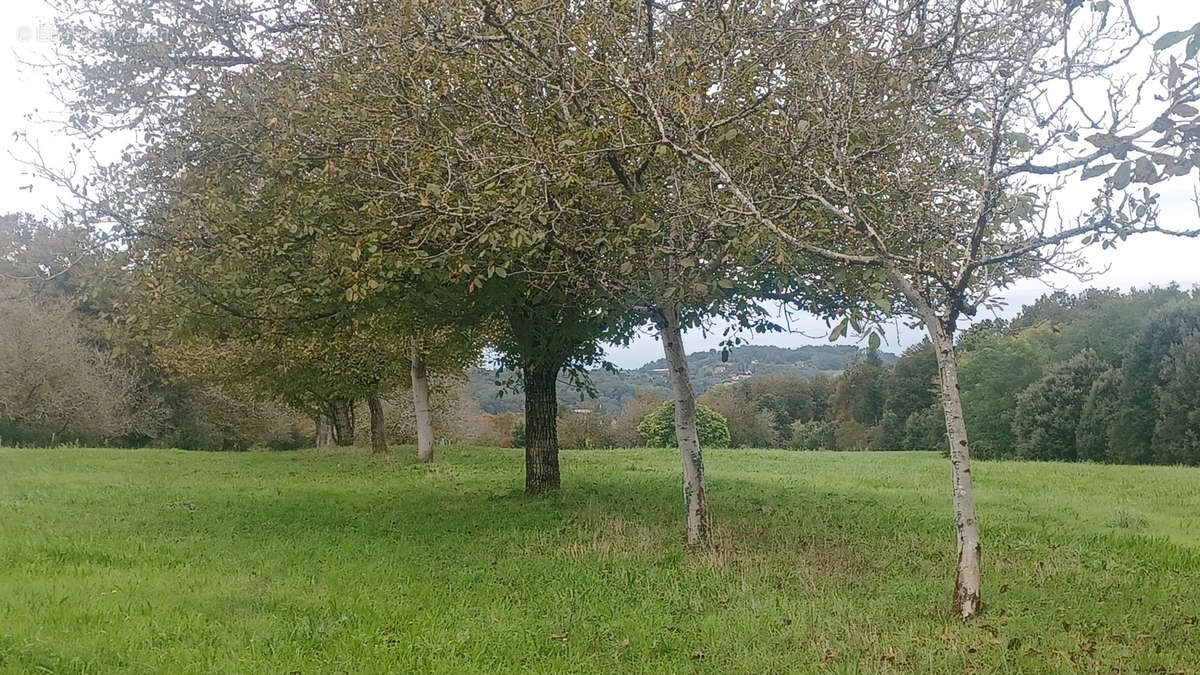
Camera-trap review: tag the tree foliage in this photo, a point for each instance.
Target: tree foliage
(1143, 373)
(1047, 413)
(657, 429)
(1176, 437)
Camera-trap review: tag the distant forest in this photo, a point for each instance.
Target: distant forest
(613, 390)
(1101, 375)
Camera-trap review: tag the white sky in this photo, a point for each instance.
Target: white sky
(24, 35)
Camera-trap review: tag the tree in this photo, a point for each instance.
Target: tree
(927, 133)
(1097, 417)
(908, 393)
(1103, 320)
(653, 248)
(1143, 370)
(750, 425)
(543, 340)
(1177, 430)
(858, 395)
(225, 200)
(1048, 412)
(791, 398)
(909, 386)
(625, 426)
(55, 387)
(994, 373)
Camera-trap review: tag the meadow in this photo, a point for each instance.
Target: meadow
(328, 561)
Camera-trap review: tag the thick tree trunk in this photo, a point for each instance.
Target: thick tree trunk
(378, 428)
(541, 429)
(324, 431)
(968, 582)
(420, 390)
(341, 414)
(695, 494)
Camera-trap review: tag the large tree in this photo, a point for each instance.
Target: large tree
(919, 145)
(653, 246)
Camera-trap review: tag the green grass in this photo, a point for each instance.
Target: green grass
(323, 562)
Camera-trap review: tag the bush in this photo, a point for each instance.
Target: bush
(658, 428)
(814, 435)
(852, 435)
(517, 436)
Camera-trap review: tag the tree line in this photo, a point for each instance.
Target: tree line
(316, 189)
(1100, 376)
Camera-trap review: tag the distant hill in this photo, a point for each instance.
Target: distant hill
(708, 370)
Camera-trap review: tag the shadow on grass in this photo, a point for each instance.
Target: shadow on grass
(630, 505)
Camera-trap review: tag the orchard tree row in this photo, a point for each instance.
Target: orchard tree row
(343, 182)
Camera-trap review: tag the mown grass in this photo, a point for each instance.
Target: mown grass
(335, 561)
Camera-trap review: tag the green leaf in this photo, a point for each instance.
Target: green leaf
(1102, 140)
(1097, 170)
(874, 341)
(839, 330)
(1184, 110)
(1144, 171)
(1169, 39)
(1123, 175)
(1022, 142)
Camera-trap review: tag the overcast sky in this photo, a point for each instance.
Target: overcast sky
(24, 35)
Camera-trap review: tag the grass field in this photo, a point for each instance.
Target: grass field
(337, 561)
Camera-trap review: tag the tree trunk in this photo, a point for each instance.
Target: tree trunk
(695, 494)
(420, 390)
(341, 413)
(378, 428)
(968, 578)
(324, 431)
(541, 429)
(968, 582)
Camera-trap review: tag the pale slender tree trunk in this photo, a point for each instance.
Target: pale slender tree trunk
(420, 390)
(341, 414)
(695, 493)
(541, 429)
(968, 581)
(324, 431)
(379, 443)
